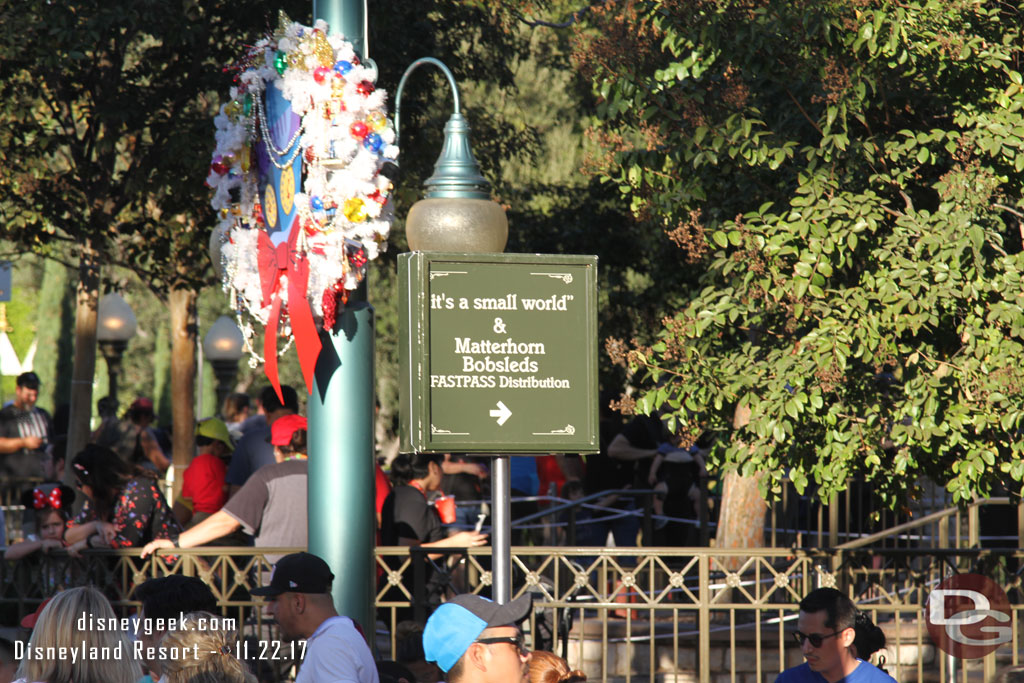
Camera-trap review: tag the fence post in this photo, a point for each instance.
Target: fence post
(833, 521)
(1020, 525)
(972, 526)
(704, 615)
(419, 584)
(705, 528)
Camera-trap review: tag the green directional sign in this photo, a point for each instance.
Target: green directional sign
(498, 353)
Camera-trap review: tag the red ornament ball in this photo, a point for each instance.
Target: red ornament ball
(320, 74)
(359, 130)
(365, 88)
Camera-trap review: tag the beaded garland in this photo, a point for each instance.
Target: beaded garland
(344, 209)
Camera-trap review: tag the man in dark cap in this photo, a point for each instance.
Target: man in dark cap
(299, 599)
(25, 429)
(475, 640)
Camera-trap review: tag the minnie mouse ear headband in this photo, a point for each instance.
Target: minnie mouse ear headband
(48, 495)
(29, 621)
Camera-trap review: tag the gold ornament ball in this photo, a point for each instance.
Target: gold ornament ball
(354, 210)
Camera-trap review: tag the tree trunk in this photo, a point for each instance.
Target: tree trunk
(183, 379)
(741, 520)
(84, 369)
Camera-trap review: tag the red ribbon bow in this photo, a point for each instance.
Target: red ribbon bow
(40, 500)
(286, 259)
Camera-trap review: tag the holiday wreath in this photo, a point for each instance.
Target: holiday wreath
(301, 186)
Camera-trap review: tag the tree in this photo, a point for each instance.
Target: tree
(846, 176)
(104, 138)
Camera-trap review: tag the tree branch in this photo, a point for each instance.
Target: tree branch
(804, 112)
(1004, 207)
(573, 18)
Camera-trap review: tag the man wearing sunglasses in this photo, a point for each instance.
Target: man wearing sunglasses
(475, 640)
(825, 632)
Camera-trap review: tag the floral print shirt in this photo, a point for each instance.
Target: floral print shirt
(141, 514)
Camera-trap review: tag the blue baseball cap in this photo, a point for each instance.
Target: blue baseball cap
(456, 624)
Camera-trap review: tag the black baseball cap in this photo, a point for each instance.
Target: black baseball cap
(28, 380)
(298, 573)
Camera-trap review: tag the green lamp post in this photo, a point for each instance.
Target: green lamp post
(341, 415)
(457, 214)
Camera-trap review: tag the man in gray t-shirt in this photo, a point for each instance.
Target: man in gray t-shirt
(265, 507)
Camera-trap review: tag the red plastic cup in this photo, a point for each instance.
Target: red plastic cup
(445, 509)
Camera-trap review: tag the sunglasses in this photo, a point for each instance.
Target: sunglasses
(816, 639)
(516, 641)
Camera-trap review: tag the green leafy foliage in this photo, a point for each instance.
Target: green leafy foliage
(105, 128)
(849, 172)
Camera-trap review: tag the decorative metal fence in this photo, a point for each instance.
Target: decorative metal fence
(623, 614)
(652, 614)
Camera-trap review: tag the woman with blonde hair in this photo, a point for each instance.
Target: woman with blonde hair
(209, 653)
(101, 655)
(547, 667)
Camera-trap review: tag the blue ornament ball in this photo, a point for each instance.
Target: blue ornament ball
(316, 204)
(373, 142)
(343, 66)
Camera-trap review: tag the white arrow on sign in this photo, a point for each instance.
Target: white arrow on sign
(502, 413)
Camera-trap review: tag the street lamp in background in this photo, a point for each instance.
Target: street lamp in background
(222, 346)
(115, 326)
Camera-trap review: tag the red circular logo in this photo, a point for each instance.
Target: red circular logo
(968, 616)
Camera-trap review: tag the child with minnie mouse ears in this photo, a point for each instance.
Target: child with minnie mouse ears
(52, 505)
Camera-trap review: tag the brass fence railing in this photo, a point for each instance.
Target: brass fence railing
(626, 614)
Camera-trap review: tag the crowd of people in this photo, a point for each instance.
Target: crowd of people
(124, 467)
(179, 636)
(241, 487)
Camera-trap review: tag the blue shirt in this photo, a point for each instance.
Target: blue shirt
(251, 453)
(864, 673)
(523, 474)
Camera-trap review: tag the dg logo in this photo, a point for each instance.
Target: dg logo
(967, 616)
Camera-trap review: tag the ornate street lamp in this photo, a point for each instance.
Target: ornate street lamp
(115, 326)
(222, 346)
(456, 212)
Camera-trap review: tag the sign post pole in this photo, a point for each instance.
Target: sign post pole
(501, 527)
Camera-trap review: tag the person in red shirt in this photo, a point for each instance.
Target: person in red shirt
(203, 489)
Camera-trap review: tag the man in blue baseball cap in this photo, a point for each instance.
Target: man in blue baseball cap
(475, 640)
